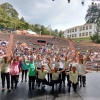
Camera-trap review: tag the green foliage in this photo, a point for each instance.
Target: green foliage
(61, 34)
(93, 13)
(81, 39)
(93, 16)
(95, 38)
(10, 11)
(69, 38)
(9, 19)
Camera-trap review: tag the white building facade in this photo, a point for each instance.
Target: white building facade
(82, 31)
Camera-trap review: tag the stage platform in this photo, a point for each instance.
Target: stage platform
(90, 92)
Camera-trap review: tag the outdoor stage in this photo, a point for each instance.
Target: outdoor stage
(90, 92)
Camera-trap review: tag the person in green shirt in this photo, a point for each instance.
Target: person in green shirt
(32, 73)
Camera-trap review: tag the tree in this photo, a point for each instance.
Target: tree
(9, 19)
(9, 10)
(56, 31)
(96, 37)
(31, 27)
(22, 19)
(8, 15)
(2, 16)
(93, 16)
(25, 25)
(93, 13)
(61, 34)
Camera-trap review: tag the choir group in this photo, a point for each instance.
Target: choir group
(45, 67)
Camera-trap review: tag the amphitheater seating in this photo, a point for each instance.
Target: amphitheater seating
(56, 41)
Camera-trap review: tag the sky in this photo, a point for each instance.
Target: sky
(58, 14)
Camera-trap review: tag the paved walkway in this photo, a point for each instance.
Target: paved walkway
(90, 92)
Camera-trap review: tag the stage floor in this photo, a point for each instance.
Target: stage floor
(90, 92)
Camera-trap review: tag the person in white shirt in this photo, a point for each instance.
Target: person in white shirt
(30, 55)
(41, 77)
(61, 67)
(45, 63)
(5, 69)
(38, 64)
(52, 64)
(82, 69)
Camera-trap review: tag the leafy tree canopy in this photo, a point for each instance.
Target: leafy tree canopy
(93, 13)
(9, 19)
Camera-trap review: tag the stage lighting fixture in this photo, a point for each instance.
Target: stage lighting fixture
(52, 0)
(83, 3)
(68, 1)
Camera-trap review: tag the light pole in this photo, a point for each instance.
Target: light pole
(49, 26)
(50, 31)
(40, 32)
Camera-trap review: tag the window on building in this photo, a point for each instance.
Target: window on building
(90, 33)
(72, 30)
(67, 31)
(75, 29)
(80, 29)
(80, 34)
(75, 35)
(83, 28)
(86, 27)
(86, 33)
(68, 36)
(72, 35)
(90, 27)
(83, 34)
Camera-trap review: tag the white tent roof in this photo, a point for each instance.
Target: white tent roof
(30, 31)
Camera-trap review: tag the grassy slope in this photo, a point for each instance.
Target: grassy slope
(80, 39)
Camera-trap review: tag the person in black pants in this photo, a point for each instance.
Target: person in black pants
(7, 76)
(24, 67)
(32, 73)
(38, 64)
(24, 72)
(73, 78)
(70, 67)
(31, 82)
(14, 72)
(41, 76)
(74, 85)
(14, 79)
(62, 76)
(5, 72)
(79, 80)
(82, 80)
(55, 77)
(49, 77)
(82, 67)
